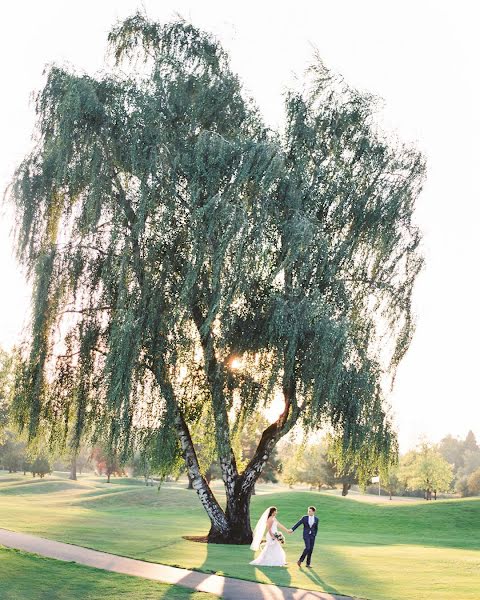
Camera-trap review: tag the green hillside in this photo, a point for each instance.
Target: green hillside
(379, 551)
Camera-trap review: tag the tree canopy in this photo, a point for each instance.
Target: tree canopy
(170, 236)
(426, 469)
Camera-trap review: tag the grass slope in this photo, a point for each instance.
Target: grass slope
(30, 576)
(376, 551)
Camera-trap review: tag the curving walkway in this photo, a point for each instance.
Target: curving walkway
(226, 587)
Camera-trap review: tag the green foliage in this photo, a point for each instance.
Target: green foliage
(166, 230)
(251, 432)
(452, 451)
(470, 443)
(203, 436)
(474, 483)
(308, 463)
(291, 457)
(464, 456)
(425, 469)
(40, 466)
(377, 455)
(7, 365)
(393, 483)
(16, 455)
(12, 452)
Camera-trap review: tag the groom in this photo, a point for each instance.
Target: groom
(310, 530)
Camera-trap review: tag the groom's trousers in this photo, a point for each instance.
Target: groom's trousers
(307, 552)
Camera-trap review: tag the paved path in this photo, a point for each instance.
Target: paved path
(226, 587)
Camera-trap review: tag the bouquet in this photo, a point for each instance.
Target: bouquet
(279, 537)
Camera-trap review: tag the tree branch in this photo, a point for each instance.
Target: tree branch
(200, 485)
(213, 371)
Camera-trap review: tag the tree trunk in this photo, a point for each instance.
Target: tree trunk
(231, 526)
(190, 483)
(219, 523)
(345, 488)
(237, 515)
(108, 477)
(73, 469)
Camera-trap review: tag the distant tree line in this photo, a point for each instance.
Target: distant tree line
(452, 466)
(464, 457)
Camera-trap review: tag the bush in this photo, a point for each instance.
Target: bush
(41, 467)
(473, 483)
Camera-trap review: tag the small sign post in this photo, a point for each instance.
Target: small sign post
(376, 479)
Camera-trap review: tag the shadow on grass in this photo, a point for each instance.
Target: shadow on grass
(34, 577)
(248, 586)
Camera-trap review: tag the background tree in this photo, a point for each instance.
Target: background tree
(307, 463)
(470, 442)
(73, 465)
(471, 462)
(172, 235)
(84, 459)
(392, 483)
(358, 466)
(474, 483)
(464, 456)
(249, 436)
(318, 470)
(452, 451)
(291, 457)
(141, 466)
(26, 464)
(106, 462)
(40, 466)
(78, 457)
(12, 452)
(425, 469)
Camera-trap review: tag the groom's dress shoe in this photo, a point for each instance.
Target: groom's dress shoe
(310, 566)
(299, 563)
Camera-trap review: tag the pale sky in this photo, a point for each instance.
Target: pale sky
(421, 57)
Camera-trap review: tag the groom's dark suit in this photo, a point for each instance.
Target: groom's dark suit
(309, 533)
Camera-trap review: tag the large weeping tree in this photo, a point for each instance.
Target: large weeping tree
(188, 263)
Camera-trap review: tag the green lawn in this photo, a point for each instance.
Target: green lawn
(376, 551)
(24, 575)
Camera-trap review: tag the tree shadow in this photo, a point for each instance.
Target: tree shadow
(27, 575)
(229, 587)
(315, 578)
(348, 576)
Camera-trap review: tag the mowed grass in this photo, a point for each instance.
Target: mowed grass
(24, 575)
(377, 551)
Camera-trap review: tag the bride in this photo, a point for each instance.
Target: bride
(272, 554)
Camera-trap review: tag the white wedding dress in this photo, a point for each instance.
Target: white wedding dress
(272, 554)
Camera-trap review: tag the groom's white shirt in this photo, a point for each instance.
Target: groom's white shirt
(311, 520)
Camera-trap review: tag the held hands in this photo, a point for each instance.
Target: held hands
(289, 530)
